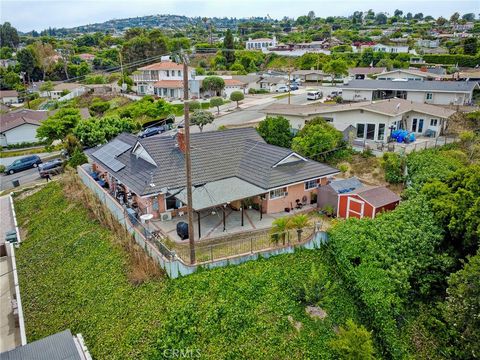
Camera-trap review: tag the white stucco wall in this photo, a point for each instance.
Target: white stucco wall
(22, 133)
(356, 95)
(9, 100)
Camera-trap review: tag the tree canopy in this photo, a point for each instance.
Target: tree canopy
(317, 139)
(57, 126)
(276, 131)
(201, 118)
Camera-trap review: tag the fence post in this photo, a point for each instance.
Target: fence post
(211, 253)
(445, 140)
(251, 245)
(436, 140)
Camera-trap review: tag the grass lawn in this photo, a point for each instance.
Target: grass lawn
(73, 275)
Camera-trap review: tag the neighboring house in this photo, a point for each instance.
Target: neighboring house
(86, 57)
(431, 92)
(9, 97)
(468, 75)
(21, 125)
(260, 44)
(350, 198)
(362, 73)
(251, 81)
(59, 346)
(231, 85)
(271, 83)
(228, 167)
(394, 49)
(425, 43)
(411, 74)
(164, 79)
(311, 75)
(59, 89)
(370, 120)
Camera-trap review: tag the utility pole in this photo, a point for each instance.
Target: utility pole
(188, 161)
(121, 69)
(289, 72)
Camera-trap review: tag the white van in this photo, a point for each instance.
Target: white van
(314, 95)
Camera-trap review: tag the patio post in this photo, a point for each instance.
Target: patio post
(224, 227)
(261, 211)
(241, 209)
(199, 228)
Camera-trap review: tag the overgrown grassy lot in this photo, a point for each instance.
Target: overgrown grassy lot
(74, 275)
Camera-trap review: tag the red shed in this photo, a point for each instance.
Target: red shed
(366, 201)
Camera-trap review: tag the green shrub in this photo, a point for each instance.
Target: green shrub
(2, 169)
(78, 158)
(353, 342)
(394, 166)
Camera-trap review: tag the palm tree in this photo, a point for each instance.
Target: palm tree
(279, 228)
(299, 222)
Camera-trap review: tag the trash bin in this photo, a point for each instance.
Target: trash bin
(15, 183)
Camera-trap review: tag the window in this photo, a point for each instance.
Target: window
(168, 73)
(433, 122)
(311, 184)
(370, 131)
(172, 203)
(360, 131)
(278, 193)
(414, 125)
(429, 96)
(381, 132)
(179, 73)
(420, 125)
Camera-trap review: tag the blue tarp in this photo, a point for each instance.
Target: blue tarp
(401, 136)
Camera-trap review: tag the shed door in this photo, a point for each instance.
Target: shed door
(355, 208)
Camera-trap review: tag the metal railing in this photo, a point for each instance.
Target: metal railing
(244, 243)
(419, 144)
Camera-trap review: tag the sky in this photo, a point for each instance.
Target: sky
(28, 15)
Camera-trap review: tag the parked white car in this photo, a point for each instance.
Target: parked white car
(282, 88)
(314, 95)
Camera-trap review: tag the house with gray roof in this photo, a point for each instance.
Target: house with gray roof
(21, 125)
(59, 346)
(227, 167)
(369, 120)
(430, 92)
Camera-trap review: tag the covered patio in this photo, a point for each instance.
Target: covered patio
(222, 207)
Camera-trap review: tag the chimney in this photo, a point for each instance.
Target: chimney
(181, 140)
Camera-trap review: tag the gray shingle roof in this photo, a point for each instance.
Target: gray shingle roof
(446, 86)
(59, 346)
(216, 155)
(377, 196)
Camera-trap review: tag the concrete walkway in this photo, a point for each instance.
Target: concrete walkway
(9, 333)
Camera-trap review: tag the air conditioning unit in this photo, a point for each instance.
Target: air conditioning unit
(166, 216)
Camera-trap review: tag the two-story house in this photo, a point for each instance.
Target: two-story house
(164, 79)
(260, 44)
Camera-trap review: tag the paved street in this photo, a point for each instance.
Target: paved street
(24, 177)
(250, 109)
(8, 160)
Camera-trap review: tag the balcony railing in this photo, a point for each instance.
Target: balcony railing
(144, 77)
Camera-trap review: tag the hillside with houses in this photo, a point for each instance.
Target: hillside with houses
(241, 188)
